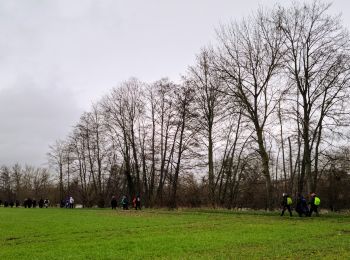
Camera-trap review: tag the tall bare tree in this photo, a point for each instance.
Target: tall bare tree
(185, 96)
(249, 59)
(210, 102)
(56, 160)
(317, 60)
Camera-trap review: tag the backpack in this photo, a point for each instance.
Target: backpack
(289, 201)
(317, 201)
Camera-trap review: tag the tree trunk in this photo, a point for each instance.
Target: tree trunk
(266, 171)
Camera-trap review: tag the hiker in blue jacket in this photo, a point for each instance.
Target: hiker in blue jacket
(302, 207)
(125, 202)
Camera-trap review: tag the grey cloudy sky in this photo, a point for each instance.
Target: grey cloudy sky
(57, 57)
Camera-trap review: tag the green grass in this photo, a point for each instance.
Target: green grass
(184, 234)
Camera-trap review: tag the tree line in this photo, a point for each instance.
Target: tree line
(18, 183)
(261, 112)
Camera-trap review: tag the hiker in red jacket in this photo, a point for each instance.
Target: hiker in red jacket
(134, 203)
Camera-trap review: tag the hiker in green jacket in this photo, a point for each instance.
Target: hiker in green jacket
(286, 203)
(314, 203)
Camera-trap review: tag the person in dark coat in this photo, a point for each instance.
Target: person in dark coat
(286, 203)
(6, 204)
(11, 204)
(302, 208)
(0, 202)
(17, 203)
(29, 202)
(138, 202)
(41, 203)
(114, 203)
(34, 203)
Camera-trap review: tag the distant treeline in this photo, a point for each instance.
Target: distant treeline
(18, 183)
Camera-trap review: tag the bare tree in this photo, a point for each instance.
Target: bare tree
(318, 65)
(249, 58)
(210, 102)
(123, 109)
(185, 95)
(17, 180)
(56, 160)
(168, 130)
(5, 181)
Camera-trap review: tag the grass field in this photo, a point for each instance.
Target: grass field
(106, 234)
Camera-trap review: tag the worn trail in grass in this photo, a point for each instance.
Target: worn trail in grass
(107, 234)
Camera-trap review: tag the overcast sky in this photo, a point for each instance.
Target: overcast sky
(57, 57)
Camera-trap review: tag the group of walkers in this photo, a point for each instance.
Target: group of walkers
(42, 203)
(10, 203)
(67, 203)
(27, 203)
(302, 206)
(136, 202)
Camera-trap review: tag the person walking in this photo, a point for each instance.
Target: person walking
(41, 203)
(46, 203)
(286, 203)
(138, 202)
(29, 202)
(114, 202)
(71, 202)
(134, 203)
(302, 208)
(314, 204)
(125, 202)
(63, 203)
